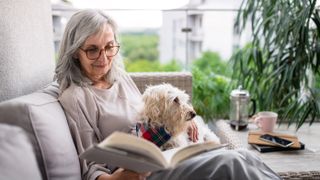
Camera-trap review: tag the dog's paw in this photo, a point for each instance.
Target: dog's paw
(169, 145)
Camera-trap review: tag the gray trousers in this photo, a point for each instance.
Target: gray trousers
(220, 165)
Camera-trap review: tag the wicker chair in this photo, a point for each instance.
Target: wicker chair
(182, 80)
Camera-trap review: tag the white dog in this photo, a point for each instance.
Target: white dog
(167, 107)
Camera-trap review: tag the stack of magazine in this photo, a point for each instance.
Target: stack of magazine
(271, 142)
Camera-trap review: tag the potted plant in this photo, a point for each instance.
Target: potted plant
(279, 65)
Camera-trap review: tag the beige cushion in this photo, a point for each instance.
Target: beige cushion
(17, 158)
(44, 121)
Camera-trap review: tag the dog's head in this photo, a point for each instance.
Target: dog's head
(168, 106)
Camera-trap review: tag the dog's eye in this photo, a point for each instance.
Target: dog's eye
(176, 100)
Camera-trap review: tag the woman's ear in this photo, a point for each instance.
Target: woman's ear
(76, 55)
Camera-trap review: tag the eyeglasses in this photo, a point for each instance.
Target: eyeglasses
(94, 53)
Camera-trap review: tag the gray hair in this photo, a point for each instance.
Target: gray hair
(80, 26)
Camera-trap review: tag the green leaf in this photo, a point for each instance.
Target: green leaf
(285, 45)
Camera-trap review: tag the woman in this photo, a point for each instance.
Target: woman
(99, 98)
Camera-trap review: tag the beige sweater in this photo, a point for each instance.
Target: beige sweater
(93, 114)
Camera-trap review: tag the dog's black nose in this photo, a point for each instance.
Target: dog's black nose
(192, 114)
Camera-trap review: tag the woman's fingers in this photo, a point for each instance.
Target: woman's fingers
(196, 133)
(144, 176)
(193, 131)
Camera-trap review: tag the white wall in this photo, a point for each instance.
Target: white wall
(172, 40)
(218, 32)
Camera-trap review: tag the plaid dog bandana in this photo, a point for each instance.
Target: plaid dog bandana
(158, 136)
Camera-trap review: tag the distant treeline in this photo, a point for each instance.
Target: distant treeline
(139, 46)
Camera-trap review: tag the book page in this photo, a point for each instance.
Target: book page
(168, 154)
(131, 143)
(120, 158)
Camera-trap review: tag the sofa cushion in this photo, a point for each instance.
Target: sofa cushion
(44, 121)
(17, 157)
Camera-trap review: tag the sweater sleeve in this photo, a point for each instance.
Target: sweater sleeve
(80, 110)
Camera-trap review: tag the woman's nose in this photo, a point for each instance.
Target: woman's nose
(102, 56)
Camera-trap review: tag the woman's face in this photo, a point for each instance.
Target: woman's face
(95, 69)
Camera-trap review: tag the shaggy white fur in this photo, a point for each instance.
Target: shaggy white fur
(167, 106)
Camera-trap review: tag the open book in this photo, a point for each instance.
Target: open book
(139, 155)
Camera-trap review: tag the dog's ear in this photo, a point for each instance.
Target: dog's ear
(176, 100)
(151, 108)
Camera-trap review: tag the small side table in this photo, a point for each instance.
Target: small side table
(284, 161)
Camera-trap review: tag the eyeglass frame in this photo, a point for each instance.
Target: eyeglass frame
(100, 50)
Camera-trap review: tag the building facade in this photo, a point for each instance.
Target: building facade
(200, 26)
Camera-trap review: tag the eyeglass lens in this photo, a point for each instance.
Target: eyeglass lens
(95, 53)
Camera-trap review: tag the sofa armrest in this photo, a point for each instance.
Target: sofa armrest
(182, 80)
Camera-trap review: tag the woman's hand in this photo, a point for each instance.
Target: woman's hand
(193, 131)
(122, 174)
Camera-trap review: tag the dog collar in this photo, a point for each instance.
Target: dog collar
(158, 136)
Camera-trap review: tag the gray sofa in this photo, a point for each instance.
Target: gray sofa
(42, 118)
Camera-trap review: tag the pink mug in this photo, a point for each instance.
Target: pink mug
(266, 120)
